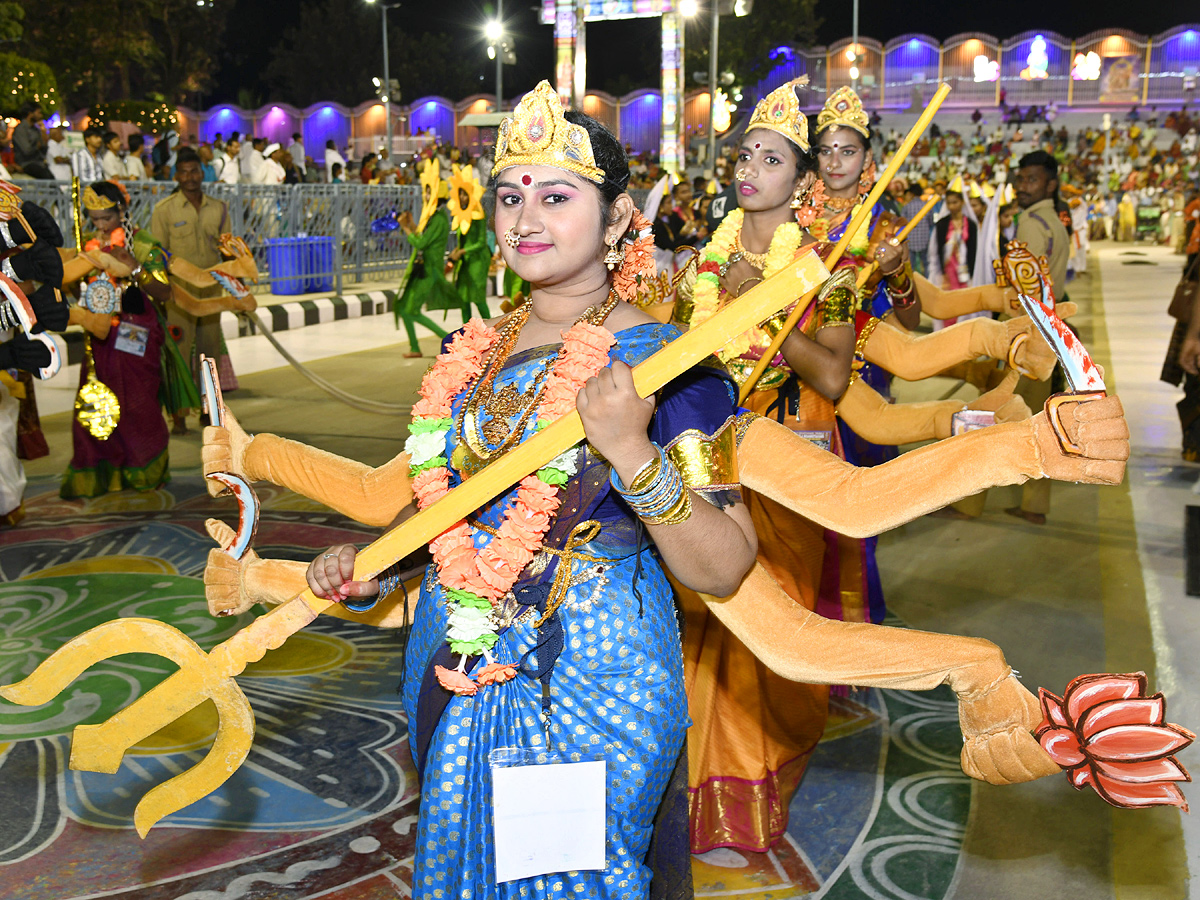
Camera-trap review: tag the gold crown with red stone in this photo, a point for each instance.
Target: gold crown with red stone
(844, 108)
(780, 112)
(538, 134)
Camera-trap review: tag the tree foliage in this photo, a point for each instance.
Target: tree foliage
(25, 80)
(745, 44)
(11, 17)
(344, 36)
(106, 50)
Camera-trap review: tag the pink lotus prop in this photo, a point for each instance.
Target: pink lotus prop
(1108, 734)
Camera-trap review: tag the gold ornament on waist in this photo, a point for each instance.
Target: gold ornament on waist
(780, 112)
(844, 108)
(538, 134)
(96, 406)
(92, 200)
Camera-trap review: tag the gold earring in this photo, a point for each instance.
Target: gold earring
(615, 256)
(512, 238)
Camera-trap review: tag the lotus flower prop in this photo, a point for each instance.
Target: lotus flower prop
(1108, 734)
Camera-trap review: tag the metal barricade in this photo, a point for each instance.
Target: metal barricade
(259, 212)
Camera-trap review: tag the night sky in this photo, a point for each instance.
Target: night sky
(259, 23)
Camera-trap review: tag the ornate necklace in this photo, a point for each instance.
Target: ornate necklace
(758, 260)
(501, 406)
(475, 579)
(839, 204)
(706, 297)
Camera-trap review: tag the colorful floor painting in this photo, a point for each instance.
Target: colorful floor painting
(326, 803)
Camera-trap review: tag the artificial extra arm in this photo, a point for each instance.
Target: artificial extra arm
(94, 323)
(943, 304)
(372, 496)
(860, 502)
(996, 713)
(873, 418)
(233, 586)
(913, 358)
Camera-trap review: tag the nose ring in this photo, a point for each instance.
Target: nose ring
(741, 176)
(512, 238)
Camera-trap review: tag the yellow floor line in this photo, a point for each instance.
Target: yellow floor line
(1149, 861)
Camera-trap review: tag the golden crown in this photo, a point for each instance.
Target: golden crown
(93, 200)
(538, 134)
(780, 112)
(844, 108)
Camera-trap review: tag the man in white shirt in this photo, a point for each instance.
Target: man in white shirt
(226, 161)
(133, 160)
(110, 159)
(58, 158)
(243, 157)
(384, 165)
(332, 156)
(296, 149)
(252, 161)
(270, 170)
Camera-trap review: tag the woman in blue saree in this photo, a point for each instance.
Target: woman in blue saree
(588, 631)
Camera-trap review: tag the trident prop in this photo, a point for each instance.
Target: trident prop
(210, 676)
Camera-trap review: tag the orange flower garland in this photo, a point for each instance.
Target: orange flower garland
(475, 579)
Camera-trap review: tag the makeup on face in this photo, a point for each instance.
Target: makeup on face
(766, 172)
(556, 217)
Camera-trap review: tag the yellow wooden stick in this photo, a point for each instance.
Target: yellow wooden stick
(201, 677)
(864, 211)
(867, 271)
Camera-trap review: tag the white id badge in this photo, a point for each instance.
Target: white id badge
(548, 815)
(132, 338)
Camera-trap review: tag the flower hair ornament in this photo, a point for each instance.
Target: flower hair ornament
(637, 258)
(809, 202)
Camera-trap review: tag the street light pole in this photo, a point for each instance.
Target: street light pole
(387, 75)
(712, 88)
(500, 58)
(387, 84)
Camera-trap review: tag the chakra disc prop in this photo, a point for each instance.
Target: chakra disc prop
(102, 296)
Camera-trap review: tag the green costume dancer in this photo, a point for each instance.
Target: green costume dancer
(471, 269)
(426, 286)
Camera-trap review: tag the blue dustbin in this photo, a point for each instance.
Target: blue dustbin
(320, 266)
(288, 264)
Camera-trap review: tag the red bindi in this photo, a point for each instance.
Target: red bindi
(758, 146)
(526, 180)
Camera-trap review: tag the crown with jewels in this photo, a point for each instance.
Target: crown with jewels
(780, 112)
(844, 108)
(538, 134)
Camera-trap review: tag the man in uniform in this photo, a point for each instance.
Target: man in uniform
(1039, 227)
(189, 223)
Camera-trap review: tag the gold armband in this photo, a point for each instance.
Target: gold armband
(707, 462)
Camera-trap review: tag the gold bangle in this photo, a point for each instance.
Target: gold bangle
(740, 286)
(679, 513)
